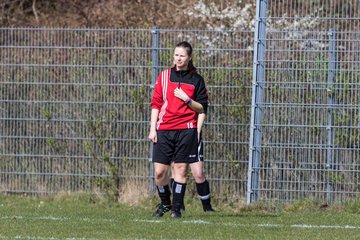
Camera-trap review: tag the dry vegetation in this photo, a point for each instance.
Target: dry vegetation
(109, 13)
(181, 14)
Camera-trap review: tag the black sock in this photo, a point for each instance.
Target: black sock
(203, 189)
(164, 194)
(171, 183)
(178, 195)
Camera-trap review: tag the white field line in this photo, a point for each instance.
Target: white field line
(161, 221)
(48, 238)
(53, 238)
(51, 218)
(33, 218)
(68, 238)
(264, 225)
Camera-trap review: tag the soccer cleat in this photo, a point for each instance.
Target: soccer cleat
(176, 214)
(182, 207)
(162, 209)
(208, 209)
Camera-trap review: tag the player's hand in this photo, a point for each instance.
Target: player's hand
(179, 93)
(152, 136)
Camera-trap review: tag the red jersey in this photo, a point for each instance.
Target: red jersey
(174, 113)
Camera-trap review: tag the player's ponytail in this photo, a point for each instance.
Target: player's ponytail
(191, 66)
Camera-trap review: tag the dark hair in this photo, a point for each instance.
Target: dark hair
(189, 51)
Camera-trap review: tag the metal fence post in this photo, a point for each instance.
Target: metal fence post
(256, 102)
(155, 70)
(331, 102)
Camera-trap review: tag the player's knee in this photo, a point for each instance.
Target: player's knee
(180, 173)
(159, 175)
(199, 177)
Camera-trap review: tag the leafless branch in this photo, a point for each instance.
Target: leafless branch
(34, 11)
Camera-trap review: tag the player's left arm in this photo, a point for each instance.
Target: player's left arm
(199, 104)
(200, 123)
(194, 105)
(201, 94)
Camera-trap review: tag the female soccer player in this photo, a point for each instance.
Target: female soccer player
(197, 170)
(179, 96)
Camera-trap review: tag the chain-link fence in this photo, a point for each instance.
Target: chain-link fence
(306, 112)
(283, 123)
(75, 105)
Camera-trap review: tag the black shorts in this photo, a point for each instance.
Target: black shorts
(179, 146)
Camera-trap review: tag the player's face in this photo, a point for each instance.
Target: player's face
(181, 58)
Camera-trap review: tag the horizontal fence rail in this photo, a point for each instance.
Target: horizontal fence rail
(283, 122)
(75, 104)
(308, 144)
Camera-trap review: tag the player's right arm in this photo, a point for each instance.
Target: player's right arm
(156, 104)
(153, 121)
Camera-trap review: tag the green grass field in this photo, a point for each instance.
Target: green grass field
(88, 217)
